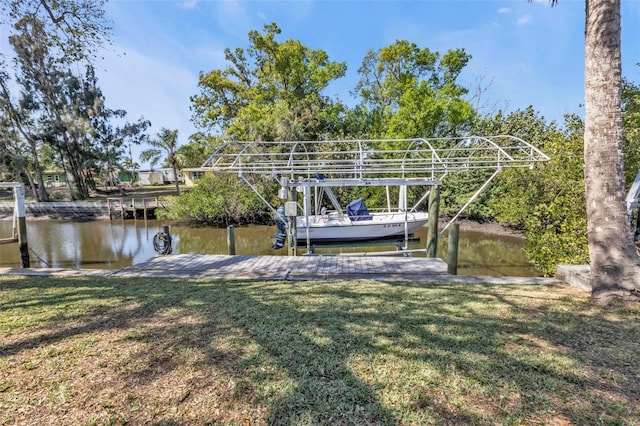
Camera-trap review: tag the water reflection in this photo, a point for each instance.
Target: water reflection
(117, 244)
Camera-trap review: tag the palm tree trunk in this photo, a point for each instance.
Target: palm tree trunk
(615, 267)
(175, 176)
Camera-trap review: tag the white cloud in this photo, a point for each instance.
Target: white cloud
(523, 20)
(504, 10)
(188, 4)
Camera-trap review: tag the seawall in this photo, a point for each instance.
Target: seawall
(59, 210)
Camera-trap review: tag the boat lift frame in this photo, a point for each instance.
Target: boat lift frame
(302, 165)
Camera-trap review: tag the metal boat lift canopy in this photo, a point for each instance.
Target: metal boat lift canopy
(382, 162)
(367, 162)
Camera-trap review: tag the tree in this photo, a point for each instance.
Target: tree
(547, 202)
(615, 267)
(54, 112)
(113, 140)
(63, 106)
(200, 146)
(75, 28)
(132, 166)
(166, 142)
(21, 149)
(271, 91)
(502, 199)
(614, 263)
(14, 153)
(61, 114)
(413, 92)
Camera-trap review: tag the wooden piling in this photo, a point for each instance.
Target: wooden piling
(22, 225)
(432, 229)
(162, 241)
(231, 241)
(452, 248)
(116, 206)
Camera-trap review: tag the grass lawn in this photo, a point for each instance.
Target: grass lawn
(109, 351)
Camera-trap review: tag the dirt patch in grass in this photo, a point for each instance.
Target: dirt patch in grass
(134, 351)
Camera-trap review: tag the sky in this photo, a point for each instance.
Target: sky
(523, 53)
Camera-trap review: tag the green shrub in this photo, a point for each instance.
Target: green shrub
(548, 201)
(220, 200)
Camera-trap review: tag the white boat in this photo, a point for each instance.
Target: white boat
(340, 227)
(333, 228)
(356, 224)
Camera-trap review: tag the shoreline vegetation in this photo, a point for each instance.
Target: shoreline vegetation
(97, 351)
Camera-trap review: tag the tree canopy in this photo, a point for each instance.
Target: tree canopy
(76, 29)
(270, 91)
(59, 118)
(413, 92)
(165, 143)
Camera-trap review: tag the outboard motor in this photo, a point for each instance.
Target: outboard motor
(281, 234)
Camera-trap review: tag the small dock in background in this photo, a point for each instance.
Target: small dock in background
(144, 208)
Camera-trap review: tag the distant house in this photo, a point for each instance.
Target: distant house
(159, 177)
(150, 177)
(52, 178)
(168, 177)
(192, 174)
(125, 176)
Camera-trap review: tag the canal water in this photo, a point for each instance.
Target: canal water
(117, 244)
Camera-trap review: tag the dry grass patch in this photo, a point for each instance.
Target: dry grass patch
(144, 351)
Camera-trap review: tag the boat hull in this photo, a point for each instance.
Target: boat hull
(334, 228)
